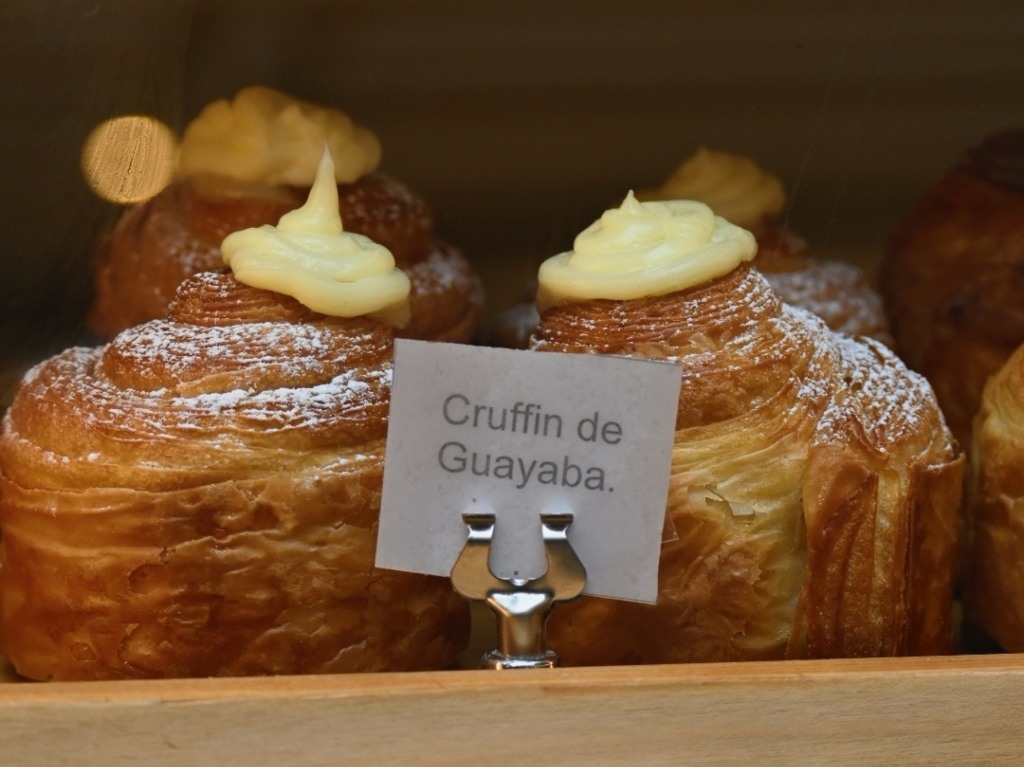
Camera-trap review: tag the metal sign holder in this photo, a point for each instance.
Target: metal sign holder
(522, 606)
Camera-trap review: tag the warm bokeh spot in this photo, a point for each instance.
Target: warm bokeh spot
(128, 159)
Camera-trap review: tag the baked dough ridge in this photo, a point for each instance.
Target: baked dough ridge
(200, 497)
(814, 494)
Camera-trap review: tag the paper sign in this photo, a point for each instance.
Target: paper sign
(517, 434)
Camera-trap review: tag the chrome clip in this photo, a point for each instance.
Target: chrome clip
(522, 606)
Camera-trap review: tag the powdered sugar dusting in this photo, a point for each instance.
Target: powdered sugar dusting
(219, 399)
(740, 347)
(445, 271)
(838, 293)
(883, 398)
(164, 354)
(285, 407)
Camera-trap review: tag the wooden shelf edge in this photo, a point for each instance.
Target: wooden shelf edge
(20, 692)
(962, 709)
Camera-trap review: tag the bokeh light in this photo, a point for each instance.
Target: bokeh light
(128, 159)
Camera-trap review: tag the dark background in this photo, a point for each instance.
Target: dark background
(519, 121)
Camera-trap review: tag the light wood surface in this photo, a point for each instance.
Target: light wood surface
(927, 711)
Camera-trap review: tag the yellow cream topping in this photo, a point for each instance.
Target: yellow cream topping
(266, 136)
(310, 257)
(644, 249)
(735, 187)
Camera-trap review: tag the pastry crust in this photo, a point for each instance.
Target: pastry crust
(200, 497)
(814, 492)
(996, 492)
(155, 245)
(953, 275)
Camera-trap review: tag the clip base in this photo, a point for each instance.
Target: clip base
(498, 661)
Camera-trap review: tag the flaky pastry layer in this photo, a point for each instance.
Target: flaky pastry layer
(814, 491)
(996, 494)
(200, 497)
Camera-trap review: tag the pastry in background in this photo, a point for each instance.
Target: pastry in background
(742, 192)
(995, 582)
(815, 490)
(512, 327)
(953, 276)
(246, 162)
(200, 496)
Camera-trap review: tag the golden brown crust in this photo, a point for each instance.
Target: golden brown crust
(996, 492)
(200, 497)
(155, 245)
(814, 489)
(953, 275)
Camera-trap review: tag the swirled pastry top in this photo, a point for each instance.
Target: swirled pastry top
(310, 257)
(236, 381)
(266, 136)
(644, 249)
(734, 186)
(814, 490)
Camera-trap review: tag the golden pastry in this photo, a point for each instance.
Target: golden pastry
(996, 492)
(244, 163)
(815, 490)
(953, 276)
(200, 496)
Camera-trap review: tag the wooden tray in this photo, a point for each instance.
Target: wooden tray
(960, 710)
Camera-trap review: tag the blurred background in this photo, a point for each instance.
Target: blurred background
(518, 121)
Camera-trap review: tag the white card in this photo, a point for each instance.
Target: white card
(517, 434)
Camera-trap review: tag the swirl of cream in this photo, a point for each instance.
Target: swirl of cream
(735, 187)
(644, 249)
(310, 257)
(266, 136)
